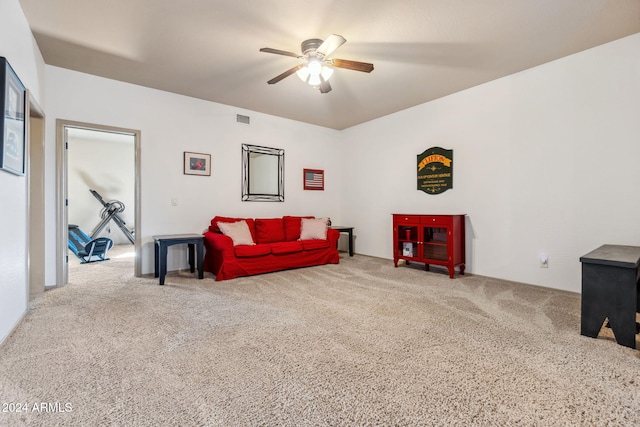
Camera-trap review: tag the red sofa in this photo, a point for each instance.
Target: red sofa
(277, 247)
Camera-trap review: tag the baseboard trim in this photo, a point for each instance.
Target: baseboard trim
(13, 329)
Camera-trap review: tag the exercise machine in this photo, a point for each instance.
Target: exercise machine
(86, 248)
(110, 212)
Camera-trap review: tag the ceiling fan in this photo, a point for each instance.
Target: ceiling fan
(317, 66)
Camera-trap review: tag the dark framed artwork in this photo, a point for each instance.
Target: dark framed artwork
(435, 170)
(197, 164)
(12, 125)
(313, 179)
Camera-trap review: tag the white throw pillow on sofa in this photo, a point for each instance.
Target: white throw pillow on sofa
(313, 229)
(238, 231)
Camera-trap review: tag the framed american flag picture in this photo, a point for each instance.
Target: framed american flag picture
(313, 179)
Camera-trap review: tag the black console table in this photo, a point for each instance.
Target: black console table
(349, 230)
(163, 242)
(610, 290)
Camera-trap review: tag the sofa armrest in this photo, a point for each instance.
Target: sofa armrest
(332, 237)
(219, 243)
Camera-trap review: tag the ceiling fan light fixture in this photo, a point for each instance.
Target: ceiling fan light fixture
(311, 73)
(315, 67)
(314, 80)
(303, 73)
(326, 72)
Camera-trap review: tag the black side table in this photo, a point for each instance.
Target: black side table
(343, 229)
(163, 242)
(610, 290)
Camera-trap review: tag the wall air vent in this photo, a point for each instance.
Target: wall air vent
(242, 119)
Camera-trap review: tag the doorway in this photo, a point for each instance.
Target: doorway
(98, 156)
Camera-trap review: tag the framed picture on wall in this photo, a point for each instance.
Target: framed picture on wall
(12, 126)
(313, 179)
(197, 164)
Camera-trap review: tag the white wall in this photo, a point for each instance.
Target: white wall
(171, 124)
(545, 160)
(18, 46)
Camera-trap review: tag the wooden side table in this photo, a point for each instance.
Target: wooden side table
(164, 241)
(349, 230)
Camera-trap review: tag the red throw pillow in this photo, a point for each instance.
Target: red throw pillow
(269, 230)
(292, 225)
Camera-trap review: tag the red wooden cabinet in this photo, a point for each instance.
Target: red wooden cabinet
(430, 239)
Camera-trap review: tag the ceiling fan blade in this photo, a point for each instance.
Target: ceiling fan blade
(287, 73)
(325, 87)
(352, 65)
(332, 42)
(279, 52)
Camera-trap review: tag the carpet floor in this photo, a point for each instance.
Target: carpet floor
(356, 344)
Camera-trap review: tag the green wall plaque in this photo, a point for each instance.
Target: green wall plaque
(435, 170)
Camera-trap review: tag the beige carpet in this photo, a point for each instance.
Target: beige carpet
(356, 344)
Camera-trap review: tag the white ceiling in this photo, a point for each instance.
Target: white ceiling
(421, 49)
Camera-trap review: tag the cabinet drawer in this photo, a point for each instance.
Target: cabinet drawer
(437, 220)
(407, 219)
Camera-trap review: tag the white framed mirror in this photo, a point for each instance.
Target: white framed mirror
(262, 174)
